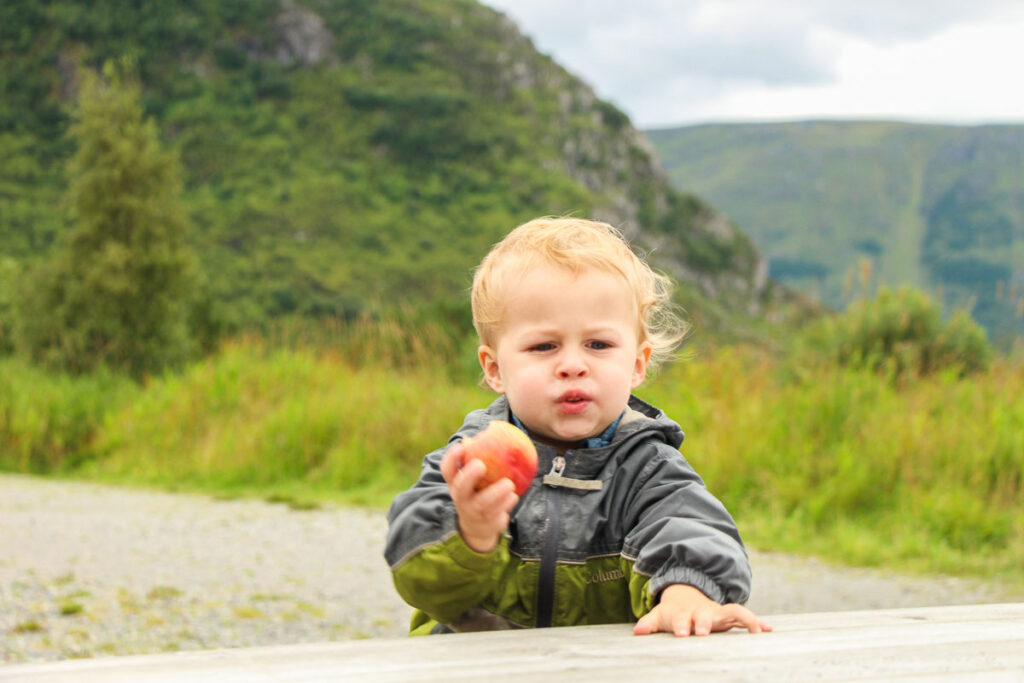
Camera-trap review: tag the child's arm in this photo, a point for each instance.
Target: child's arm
(433, 566)
(683, 610)
(687, 546)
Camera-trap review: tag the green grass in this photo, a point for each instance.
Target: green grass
(48, 420)
(295, 426)
(921, 474)
(164, 593)
(70, 609)
(30, 626)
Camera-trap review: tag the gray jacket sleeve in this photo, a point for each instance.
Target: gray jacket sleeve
(422, 515)
(679, 533)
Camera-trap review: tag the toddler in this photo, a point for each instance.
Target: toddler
(616, 526)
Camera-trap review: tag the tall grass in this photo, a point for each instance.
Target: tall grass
(279, 421)
(47, 420)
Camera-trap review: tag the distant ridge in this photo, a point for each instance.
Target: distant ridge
(936, 206)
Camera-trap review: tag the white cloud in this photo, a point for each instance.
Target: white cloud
(961, 75)
(666, 62)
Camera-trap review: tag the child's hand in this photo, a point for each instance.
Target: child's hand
(483, 515)
(684, 610)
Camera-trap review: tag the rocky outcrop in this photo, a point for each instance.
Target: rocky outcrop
(605, 153)
(302, 36)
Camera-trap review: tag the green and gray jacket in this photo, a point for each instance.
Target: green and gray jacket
(595, 539)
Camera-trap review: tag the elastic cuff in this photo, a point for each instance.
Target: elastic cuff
(690, 577)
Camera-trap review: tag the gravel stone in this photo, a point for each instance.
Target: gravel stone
(90, 570)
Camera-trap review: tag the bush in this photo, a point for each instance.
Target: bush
(902, 332)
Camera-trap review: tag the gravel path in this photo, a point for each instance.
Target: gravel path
(89, 570)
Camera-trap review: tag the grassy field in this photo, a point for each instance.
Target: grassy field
(921, 474)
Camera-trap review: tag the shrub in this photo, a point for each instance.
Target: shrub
(901, 332)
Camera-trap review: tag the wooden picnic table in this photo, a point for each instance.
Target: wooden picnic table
(967, 642)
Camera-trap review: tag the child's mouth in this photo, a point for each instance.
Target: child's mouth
(573, 403)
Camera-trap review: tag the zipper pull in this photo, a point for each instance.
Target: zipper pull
(557, 466)
(555, 478)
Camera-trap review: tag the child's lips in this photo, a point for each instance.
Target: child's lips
(573, 402)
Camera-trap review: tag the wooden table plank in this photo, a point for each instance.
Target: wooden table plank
(954, 643)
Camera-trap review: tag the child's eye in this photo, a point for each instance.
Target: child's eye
(545, 346)
(599, 345)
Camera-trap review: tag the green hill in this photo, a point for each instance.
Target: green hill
(937, 207)
(340, 155)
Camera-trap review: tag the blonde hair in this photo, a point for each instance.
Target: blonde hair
(575, 244)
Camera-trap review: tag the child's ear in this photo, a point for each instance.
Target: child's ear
(643, 357)
(489, 362)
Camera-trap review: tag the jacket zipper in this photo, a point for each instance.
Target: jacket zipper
(549, 551)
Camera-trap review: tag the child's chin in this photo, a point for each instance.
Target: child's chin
(574, 436)
(560, 440)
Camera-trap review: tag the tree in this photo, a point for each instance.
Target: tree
(118, 290)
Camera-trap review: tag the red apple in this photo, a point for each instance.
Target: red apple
(506, 451)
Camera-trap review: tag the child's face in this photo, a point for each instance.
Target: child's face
(567, 355)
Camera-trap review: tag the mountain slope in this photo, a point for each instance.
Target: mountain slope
(937, 207)
(344, 154)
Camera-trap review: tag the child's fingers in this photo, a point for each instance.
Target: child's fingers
(452, 461)
(463, 481)
(684, 624)
(659, 620)
(703, 621)
(749, 620)
(734, 615)
(500, 495)
(700, 621)
(647, 624)
(490, 503)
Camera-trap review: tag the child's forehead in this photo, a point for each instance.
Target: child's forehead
(552, 294)
(547, 284)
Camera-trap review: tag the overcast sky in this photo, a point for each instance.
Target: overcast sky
(675, 62)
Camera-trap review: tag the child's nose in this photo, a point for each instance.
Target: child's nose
(571, 365)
